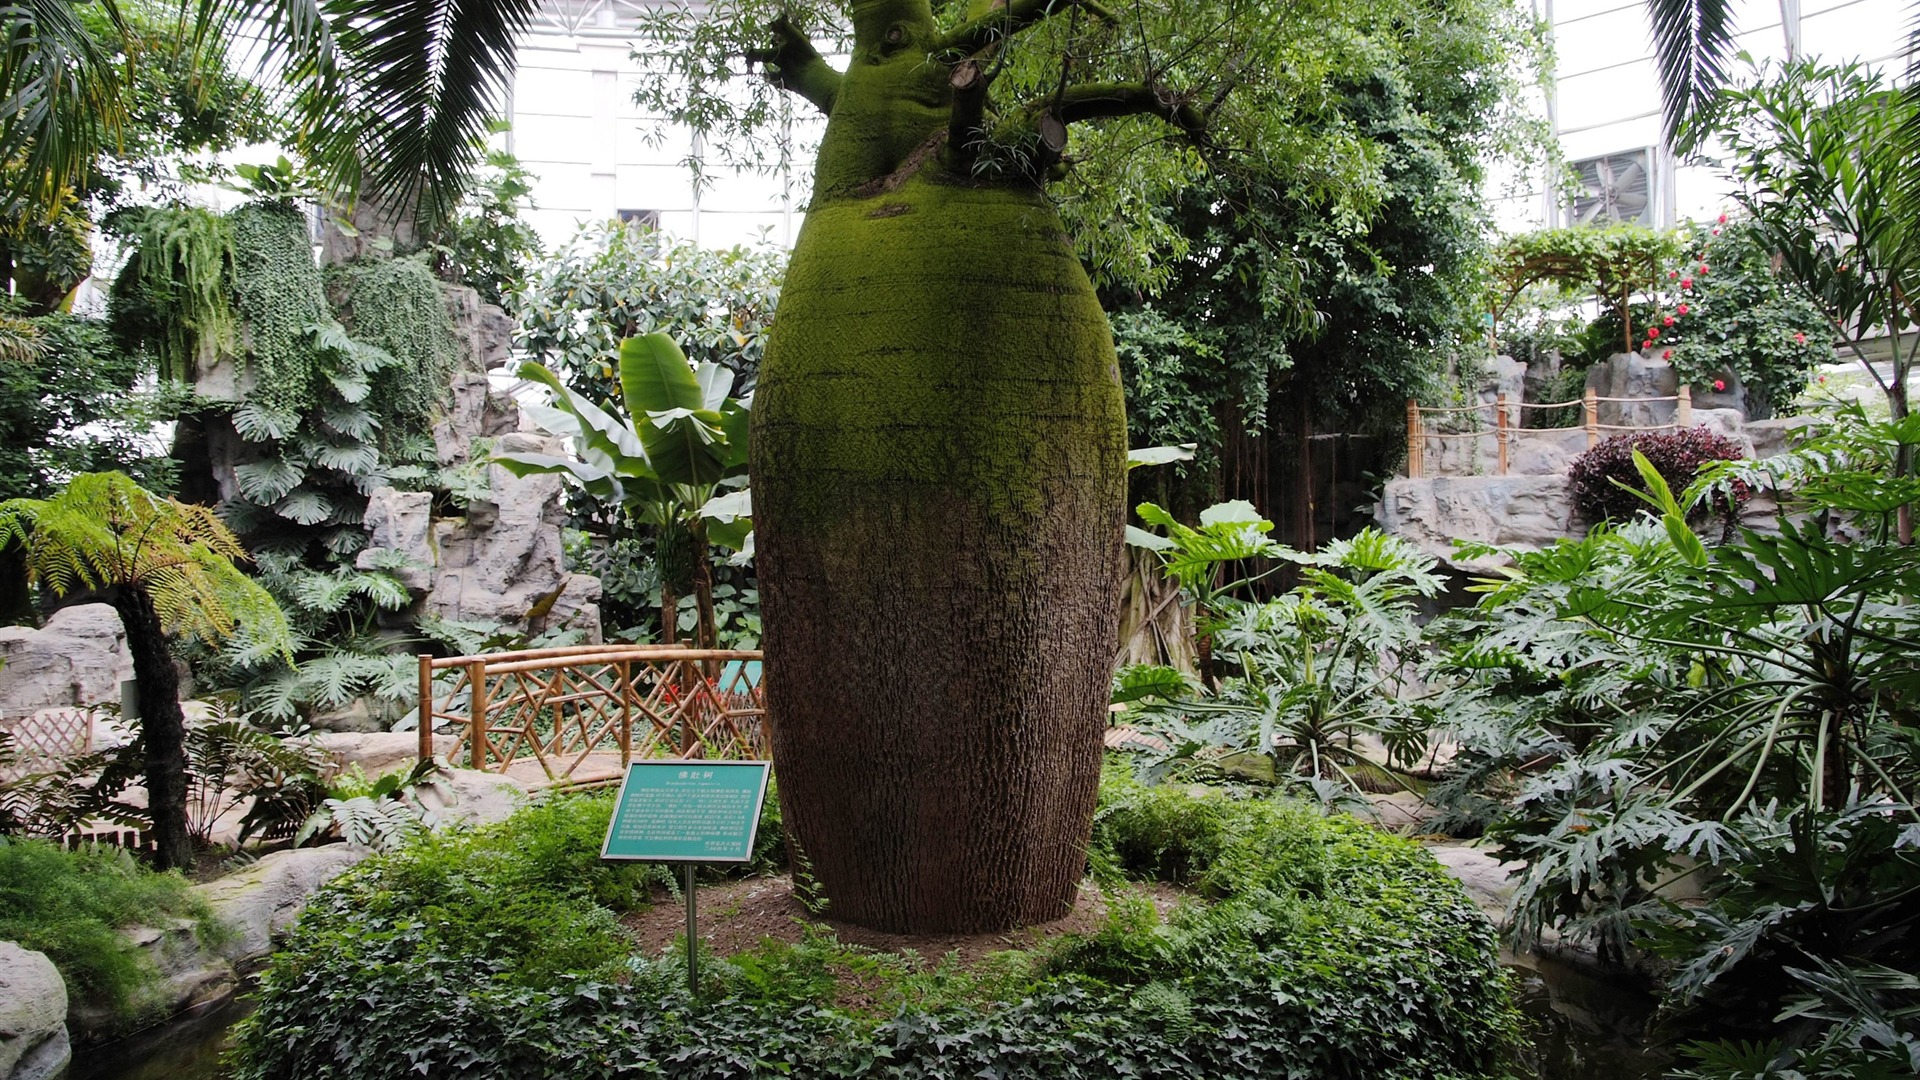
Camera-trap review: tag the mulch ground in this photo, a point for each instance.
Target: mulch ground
(737, 915)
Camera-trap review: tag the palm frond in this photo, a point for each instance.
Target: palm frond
(61, 101)
(423, 78)
(1692, 42)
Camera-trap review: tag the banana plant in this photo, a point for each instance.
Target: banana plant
(683, 440)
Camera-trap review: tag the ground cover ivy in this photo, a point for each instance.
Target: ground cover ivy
(1314, 947)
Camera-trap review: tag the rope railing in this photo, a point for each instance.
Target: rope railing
(1502, 430)
(582, 713)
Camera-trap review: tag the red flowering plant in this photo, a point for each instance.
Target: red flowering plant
(1676, 455)
(1730, 312)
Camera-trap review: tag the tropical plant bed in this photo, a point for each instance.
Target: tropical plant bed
(1308, 946)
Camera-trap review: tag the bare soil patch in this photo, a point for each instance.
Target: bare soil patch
(737, 915)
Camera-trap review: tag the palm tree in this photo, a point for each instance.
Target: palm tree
(388, 97)
(166, 567)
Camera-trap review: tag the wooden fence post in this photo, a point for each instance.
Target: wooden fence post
(477, 720)
(1591, 400)
(1500, 429)
(1415, 439)
(1683, 408)
(426, 706)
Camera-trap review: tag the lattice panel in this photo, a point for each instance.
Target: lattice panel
(43, 740)
(577, 715)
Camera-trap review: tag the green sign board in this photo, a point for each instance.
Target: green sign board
(687, 811)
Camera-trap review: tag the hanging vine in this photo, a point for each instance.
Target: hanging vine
(278, 291)
(397, 305)
(173, 294)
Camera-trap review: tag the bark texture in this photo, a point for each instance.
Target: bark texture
(163, 727)
(939, 485)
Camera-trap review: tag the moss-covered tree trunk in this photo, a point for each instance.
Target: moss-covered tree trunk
(163, 726)
(939, 488)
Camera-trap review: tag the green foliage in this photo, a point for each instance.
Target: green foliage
(72, 905)
(173, 294)
(383, 813)
(340, 652)
(104, 531)
(487, 245)
(1327, 950)
(613, 281)
(277, 288)
(1737, 718)
(1818, 155)
(1309, 673)
(396, 305)
(70, 403)
(1728, 310)
(1614, 264)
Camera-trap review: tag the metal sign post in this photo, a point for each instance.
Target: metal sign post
(690, 812)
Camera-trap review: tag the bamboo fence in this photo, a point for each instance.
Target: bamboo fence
(1502, 431)
(584, 712)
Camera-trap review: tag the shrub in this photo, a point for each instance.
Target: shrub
(71, 905)
(1328, 950)
(1595, 478)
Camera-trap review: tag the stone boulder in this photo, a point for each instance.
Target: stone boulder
(79, 657)
(1778, 435)
(503, 562)
(475, 411)
(1528, 512)
(265, 898)
(1631, 375)
(1731, 395)
(475, 798)
(1544, 451)
(1488, 881)
(379, 752)
(33, 1016)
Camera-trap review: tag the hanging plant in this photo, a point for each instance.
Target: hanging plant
(173, 293)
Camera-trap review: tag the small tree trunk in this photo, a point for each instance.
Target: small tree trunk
(706, 632)
(162, 724)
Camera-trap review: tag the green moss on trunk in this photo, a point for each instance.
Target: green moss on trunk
(939, 493)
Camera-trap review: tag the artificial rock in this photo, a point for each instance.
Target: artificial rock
(33, 1016)
(79, 657)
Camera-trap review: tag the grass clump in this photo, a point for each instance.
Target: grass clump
(1314, 947)
(72, 905)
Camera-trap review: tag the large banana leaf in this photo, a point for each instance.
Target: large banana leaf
(685, 437)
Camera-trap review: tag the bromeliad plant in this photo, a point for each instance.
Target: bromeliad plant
(683, 440)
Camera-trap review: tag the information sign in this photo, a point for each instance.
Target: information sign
(687, 811)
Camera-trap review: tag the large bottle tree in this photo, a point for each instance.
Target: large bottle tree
(939, 436)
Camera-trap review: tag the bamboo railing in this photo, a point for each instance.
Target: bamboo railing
(1502, 430)
(582, 713)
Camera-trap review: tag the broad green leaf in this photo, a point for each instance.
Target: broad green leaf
(1235, 512)
(1139, 537)
(716, 382)
(729, 507)
(655, 376)
(1160, 455)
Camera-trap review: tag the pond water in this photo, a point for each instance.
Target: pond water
(1584, 1027)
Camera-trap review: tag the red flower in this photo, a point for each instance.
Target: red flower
(1682, 309)
(1667, 355)
(1719, 385)
(1841, 269)
(1686, 283)
(1723, 219)
(1716, 232)
(1668, 321)
(1652, 333)
(1703, 268)
(1800, 339)
(1676, 273)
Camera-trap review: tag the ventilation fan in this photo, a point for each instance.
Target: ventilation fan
(1615, 188)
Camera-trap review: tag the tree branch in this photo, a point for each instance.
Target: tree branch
(964, 125)
(793, 64)
(1092, 101)
(1004, 22)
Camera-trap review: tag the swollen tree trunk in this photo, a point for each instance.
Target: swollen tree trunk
(939, 489)
(163, 727)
